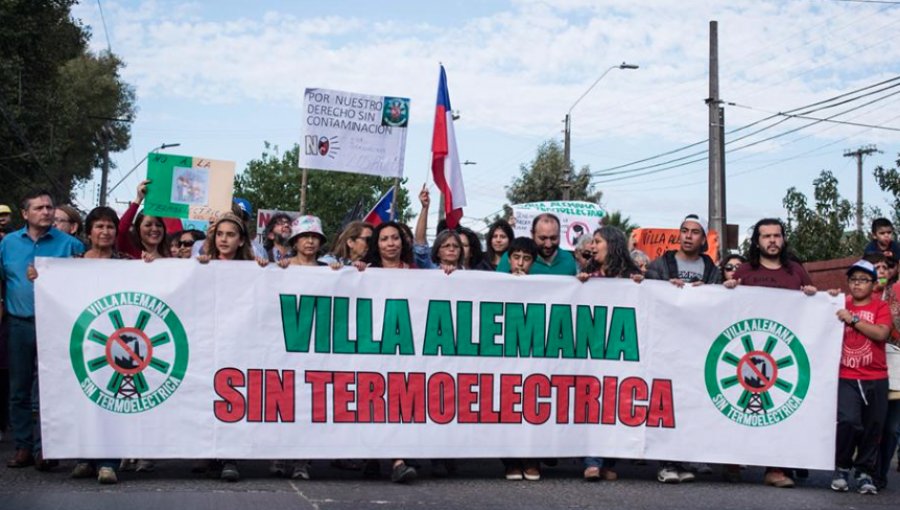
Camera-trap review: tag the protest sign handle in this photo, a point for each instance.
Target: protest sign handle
(303, 178)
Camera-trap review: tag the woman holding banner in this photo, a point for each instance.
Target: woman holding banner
(447, 251)
(610, 260)
(101, 227)
(142, 236)
(306, 240)
(351, 245)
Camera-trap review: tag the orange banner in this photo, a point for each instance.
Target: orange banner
(656, 241)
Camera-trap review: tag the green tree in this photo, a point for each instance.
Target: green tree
(618, 220)
(55, 100)
(273, 182)
(543, 179)
(820, 232)
(888, 180)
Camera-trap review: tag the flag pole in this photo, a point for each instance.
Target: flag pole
(394, 199)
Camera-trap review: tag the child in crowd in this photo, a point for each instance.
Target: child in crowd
(522, 252)
(863, 380)
(883, 239)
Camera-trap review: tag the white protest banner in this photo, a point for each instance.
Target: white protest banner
(576, 219)
(262, 219)
(347, 132)
(230, 360)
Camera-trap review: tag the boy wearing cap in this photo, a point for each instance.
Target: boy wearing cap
(687, 264)
(863, 383)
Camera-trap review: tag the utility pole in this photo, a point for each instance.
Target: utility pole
(716, 145)
(104, 171)
(859, 154)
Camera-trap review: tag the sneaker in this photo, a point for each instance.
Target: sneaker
(301, 470)
(532, 472)
(668, 474)
(107, 476)
(230, 472)
(592, 473)
(685, 476)
(83, 470)
(278, 468)
(147, 466)
(840, 481)
(514, 473)
(865, 485)
(776, 478)
(128, 465)
(403, 473)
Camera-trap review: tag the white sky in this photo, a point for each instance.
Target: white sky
(223, 77)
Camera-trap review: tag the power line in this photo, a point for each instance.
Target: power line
(821, 105)
(105, 30)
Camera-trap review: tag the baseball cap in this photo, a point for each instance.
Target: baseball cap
(245, 206)
(698, 220)
(864, 266)
(4, 209)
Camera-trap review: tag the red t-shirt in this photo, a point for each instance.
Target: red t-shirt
(775, 278)
(862, 358)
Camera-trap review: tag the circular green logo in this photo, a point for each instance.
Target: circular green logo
(129, 352)
(757, 372)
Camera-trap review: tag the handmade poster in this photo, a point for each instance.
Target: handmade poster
(348, 132)
(656, 241)
(188, 187)
(576, 219)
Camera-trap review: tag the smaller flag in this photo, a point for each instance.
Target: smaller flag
(381, 213)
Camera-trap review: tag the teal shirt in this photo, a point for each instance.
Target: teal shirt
(563, 264)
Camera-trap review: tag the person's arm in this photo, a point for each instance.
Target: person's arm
(873, 331)
(422, 256)
(422, 224)
(123, 236)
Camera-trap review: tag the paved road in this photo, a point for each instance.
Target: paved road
(477, 484)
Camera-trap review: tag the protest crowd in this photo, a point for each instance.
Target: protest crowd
(868, 420)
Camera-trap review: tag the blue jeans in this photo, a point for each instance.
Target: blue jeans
(23, 390)
(599, 462)
(888, 440)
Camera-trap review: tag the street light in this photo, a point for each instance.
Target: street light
(567, 185)
(161, 147)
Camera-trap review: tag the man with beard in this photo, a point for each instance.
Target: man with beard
(688, 264)
(278, 233)
(551, 260)
(769, 264)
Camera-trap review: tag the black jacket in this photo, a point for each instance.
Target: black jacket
(666, 268)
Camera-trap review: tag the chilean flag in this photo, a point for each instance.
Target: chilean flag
(381, 213)
(444, 158)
